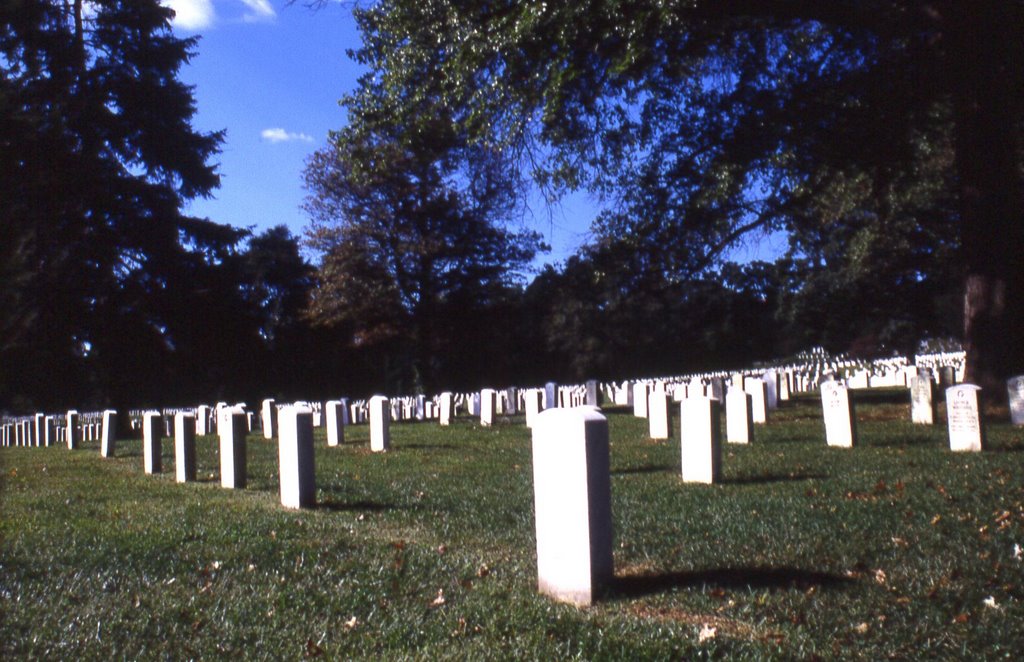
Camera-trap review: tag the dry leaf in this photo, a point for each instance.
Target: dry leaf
(862, 628)
(351, 623)
(439, 600)
(990, 602)
(706, 633)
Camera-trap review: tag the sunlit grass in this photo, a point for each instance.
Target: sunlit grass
(895, 548)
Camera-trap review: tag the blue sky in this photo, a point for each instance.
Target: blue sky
(271, 75)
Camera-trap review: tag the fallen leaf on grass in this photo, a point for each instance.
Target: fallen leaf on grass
(961, 618)
(706, 633)
(990, 602)
(880, 576)
(351, 623)
(439, 600)
(862, 628)
(1018, 553)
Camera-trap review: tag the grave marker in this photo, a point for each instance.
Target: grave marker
(963, 416)
(72, 436)
(837, 410)
(922, 400)
(108, 437)
(232, 449)
(152, 435)
(701, 440)
(185, 446)
(659, 416)
(380, 424)
(488, 404)
(295, 457)
(572, 504)
(268, 418)
(446, 409)
(739, 424)
(334, 414)
(1015, 389)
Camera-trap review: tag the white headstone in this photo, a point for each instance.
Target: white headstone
(380, 424)
(446, 409)
(837, 409)
(488, 404)
(922, 400)
(184, 447)
(203, 420)
(334, 414)
(963, 415)
(533, 405)
(659, 416)
(72, 436)
(771, 383)
(1015, 390)
(701, 440)
(739, 424)
(152, 448)
(108, 437)
(572, 503)
(295, 457)
(640, 394)
(232, 449)
(268, 418)
(758, 391)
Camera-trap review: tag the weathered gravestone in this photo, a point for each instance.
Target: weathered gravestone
(1015, 390)
(108, 437)
(380, 424)
(334, 413)
(572, 503)
(701, 440)
(739, 424)
(232, 449)
(152, 448)
(659, 415)
(837, 410)
(593, 393)
(922, 400)
(550, 395)
(963, 416)
(185, 447)
(72, 436)
(771, 394)
(295, 457)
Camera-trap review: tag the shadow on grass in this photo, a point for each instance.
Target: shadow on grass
(357, 506)
(774, 478)
(648, 469)
(446, 447)
(727, 578)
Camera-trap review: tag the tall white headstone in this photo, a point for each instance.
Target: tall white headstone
(572, 503)
(295, 457)
(1015, 391)
(203, 420)
(380, 424)
(334, 414)
(739, 424)
(232, 449)
(771, 383)
(837, 409)
(659, 415)
(533, 405)
(185, 447)
(152, 436)
(72, 436)
(922, 400)
(446, 409)
(550, 395)
(640, 395)
(758, 391)
(108, 437)
(701, 440)
(963, 415)
(268, 418)
(488, 403)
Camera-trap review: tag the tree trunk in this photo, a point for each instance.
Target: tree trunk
(988, 166)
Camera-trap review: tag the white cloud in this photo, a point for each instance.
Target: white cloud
(259, 10)
(278, 135)
(192, 14)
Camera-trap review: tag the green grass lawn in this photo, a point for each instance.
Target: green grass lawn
(898, 548)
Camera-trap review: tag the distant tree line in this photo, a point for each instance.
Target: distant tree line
(111, 295)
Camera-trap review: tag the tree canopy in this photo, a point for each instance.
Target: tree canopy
(893, 125)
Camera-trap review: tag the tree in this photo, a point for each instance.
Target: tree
(410, 224)
(98, 155)
(715, 118)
